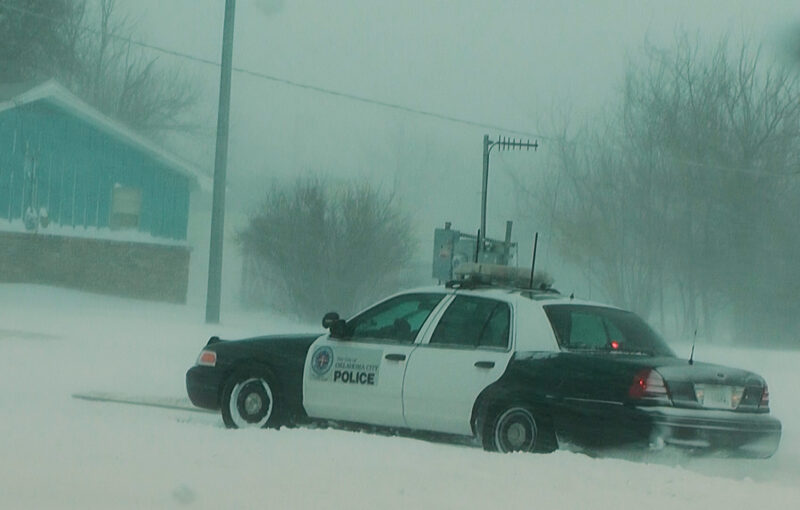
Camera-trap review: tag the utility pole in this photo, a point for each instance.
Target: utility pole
(220, 169)
(501, 143)
(487, 146)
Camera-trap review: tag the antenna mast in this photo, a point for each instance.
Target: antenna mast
(501, 143)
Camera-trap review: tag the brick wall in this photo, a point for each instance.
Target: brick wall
(138, 270)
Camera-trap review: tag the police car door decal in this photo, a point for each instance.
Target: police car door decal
(346, 365)
(355, 381)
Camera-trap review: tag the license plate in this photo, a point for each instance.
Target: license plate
(714, 396)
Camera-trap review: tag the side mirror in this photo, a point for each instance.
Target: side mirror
(329, 319)
(339, 329)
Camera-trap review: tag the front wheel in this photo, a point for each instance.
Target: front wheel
(249, 401)
(516, 429)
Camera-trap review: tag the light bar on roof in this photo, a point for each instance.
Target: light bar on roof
(496, 274)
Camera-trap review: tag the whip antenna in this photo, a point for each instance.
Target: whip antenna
(533, 262)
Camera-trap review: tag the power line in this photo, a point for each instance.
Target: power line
(361, 99)
(385, 104)
(286, 81)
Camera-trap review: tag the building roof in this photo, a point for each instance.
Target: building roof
(14, 95)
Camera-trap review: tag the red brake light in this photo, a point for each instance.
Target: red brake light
(764, 397)
(614, 344)
(207, 358)
(649, 385)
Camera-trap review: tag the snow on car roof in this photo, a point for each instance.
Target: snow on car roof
(540, 297)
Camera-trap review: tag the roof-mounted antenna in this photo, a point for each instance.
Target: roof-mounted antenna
(694, 341)
(533, 262)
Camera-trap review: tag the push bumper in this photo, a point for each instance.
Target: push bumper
(204, 384)
(735, 433)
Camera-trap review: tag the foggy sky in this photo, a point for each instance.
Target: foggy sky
(514, 64)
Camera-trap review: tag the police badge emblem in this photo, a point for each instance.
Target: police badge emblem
(322, 361)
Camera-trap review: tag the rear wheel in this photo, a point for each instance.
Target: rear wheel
(249, 401)
(516, 429)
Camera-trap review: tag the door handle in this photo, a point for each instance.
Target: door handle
(484, 364)
(395, 357)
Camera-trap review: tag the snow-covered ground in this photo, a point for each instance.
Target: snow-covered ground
(60, 452)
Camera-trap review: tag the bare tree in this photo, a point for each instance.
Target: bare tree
(683, 193)
(328, 246)
(599, 225)
(127, 83)
(731, 142)
(88, 48)
(35, 38)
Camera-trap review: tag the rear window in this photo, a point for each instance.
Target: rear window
(600, 329)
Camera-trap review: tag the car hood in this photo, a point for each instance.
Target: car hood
(263, 340)
(262, 348)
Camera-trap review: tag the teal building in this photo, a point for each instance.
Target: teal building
(78, 184)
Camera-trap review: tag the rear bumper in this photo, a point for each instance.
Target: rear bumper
(204, 385)
(741, 434)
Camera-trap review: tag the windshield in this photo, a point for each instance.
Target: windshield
(596, 328)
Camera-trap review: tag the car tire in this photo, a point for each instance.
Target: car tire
(516, 428)
(249, 400)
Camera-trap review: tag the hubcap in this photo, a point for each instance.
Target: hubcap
(515, 431)
(251, 403)
(516, 435)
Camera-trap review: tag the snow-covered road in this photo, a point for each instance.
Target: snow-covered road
(61, 452)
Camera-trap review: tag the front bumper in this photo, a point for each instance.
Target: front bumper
(735, 433)
(204, 386)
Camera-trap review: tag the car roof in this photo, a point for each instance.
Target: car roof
(511, 295)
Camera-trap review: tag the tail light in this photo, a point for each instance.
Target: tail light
(207, 358)
(764, 398)
(649, 386)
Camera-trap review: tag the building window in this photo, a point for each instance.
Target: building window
(126, 205)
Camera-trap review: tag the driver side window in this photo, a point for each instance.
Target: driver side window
(396, 320)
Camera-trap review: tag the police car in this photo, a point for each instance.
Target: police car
(515, 369)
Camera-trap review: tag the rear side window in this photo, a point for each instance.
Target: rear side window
(474, 322)
(596, 328)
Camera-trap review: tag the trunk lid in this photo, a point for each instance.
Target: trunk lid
(710, 386)
(698, 385)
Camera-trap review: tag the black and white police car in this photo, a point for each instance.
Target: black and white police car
(516, 369)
